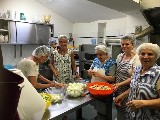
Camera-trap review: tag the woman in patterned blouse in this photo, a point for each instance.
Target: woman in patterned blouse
(144, 93)
(62, 62)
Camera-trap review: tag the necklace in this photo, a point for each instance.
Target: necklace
(126, 59)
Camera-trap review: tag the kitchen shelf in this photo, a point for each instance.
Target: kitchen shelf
(3, 30)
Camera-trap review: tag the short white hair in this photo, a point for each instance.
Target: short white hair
(41, 51)
(62, 36)
(154, 47)
(102, 48)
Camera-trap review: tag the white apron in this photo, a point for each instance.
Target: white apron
(98, 79)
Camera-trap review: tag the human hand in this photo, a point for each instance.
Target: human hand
(50, 82)
(118, 100)
(58, 85)
(116, 86)
(135, 104)
(89, 72)
(77, 76)
(95, 74)
(55, 74)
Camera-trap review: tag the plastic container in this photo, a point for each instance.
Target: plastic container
(98, 93)
(8, 66)
(10, 94)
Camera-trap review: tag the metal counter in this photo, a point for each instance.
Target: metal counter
(67, 106)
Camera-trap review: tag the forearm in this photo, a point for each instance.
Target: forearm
(41, 86)
(44, 79)
(74, 67)
(52, 68)
(107, 78)
(153, 104)
(126, 82)
(126, 93)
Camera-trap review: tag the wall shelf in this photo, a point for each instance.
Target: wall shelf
(23, 32)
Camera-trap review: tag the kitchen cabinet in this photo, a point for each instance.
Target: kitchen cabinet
(44, 32)
(17, 32)
(26, 33)
(12, 32)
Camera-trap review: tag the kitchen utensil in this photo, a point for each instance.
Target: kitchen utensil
(100, 92)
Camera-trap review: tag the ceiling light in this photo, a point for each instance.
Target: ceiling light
(48, 1)
(137, 1)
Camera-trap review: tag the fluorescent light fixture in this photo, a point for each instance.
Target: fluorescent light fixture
(137, 1)
(48, 1)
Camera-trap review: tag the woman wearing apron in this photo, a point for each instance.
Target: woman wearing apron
(103, 70)
(126, 61)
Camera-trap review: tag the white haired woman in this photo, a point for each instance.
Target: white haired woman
(63, 62)
(144, 93)
(126, 62)
(103, 70)
(103, 67)
(30, 67)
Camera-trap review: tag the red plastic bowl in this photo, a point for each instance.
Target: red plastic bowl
(95, 92)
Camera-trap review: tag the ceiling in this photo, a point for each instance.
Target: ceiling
(85, 11)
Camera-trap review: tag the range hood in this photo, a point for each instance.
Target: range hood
(151, 12)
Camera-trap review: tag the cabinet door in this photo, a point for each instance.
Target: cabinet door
(12, 32)
(26, 33)
(43, 34)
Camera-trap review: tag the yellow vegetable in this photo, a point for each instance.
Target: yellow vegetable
(48, 99)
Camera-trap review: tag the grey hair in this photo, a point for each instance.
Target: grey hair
(154, 47)
(52, 40)
(130, 38)
(102, 48)
(62, 36)
(41, 51)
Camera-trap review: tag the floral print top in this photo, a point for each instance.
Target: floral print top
(62, 64)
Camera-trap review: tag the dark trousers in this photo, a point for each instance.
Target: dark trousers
(107, 108)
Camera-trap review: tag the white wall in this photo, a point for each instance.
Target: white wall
(84, 30)
(134, 20)
(137, 19)
(114, 27)
(81, 31)
(33, 10)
